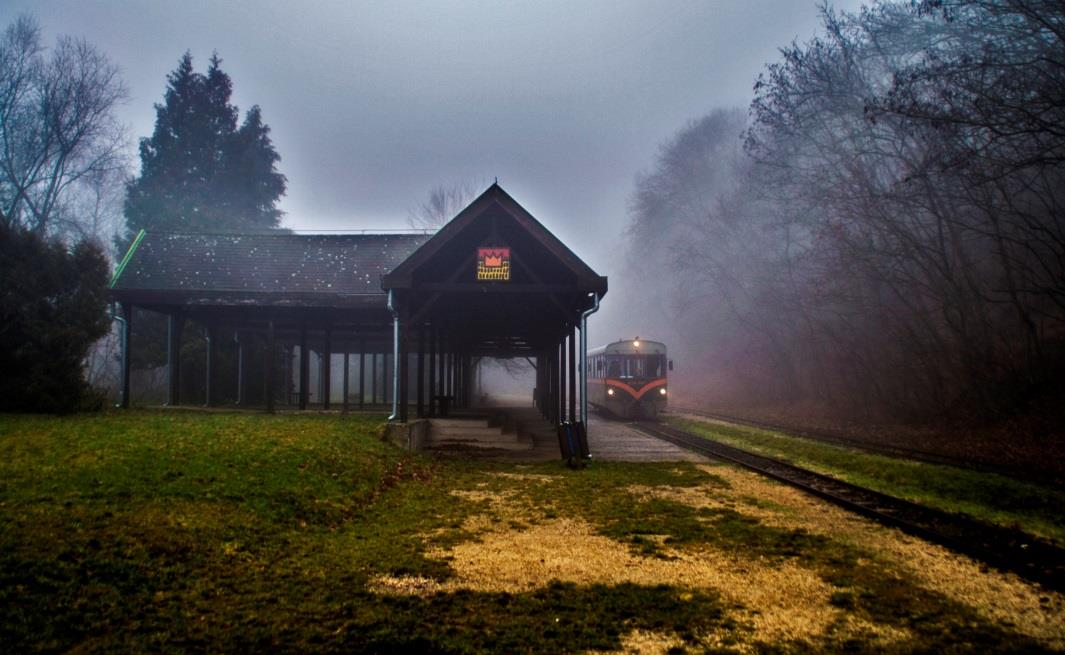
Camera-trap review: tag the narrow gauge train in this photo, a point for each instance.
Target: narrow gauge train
(628, 378)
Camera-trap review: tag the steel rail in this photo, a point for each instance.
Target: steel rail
(1007, 549)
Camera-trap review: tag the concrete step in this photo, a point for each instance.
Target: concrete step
(458, 422)
(490, 442)
(464, 429)
(480, 444)
(473, 433)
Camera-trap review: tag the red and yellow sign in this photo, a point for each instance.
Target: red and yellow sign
(493, 264)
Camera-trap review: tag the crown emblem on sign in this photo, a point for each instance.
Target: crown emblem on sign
(493, 261)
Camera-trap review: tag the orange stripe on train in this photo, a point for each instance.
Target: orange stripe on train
(637, 394)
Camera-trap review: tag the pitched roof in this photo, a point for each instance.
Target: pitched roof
(245, 266)
(495, 198)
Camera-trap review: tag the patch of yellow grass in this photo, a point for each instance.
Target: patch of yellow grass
(1001, 598)
(525, 477)
(781, 603)
(777, 602)
(645, 642)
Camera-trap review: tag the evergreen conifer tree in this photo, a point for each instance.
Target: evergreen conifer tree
(199, 172)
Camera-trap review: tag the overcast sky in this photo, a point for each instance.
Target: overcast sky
(372, 104)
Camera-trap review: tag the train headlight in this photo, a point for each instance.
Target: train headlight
(610, 392)
(636, 344)
(662, 390)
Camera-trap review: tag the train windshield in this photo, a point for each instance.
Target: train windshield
(636, 366)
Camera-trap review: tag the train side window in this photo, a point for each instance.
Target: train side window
(614, 369)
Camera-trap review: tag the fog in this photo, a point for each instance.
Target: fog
(885, 240)
(372, 104)
(857, 211)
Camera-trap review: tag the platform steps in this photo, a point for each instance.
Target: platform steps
(468, 433)
(529, 424)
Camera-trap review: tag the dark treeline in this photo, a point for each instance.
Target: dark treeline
(883, 231)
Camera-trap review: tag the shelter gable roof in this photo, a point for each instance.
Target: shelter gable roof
(494, 197)
(255, 264)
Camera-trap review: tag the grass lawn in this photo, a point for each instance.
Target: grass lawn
(1036, 508)
(172, 531)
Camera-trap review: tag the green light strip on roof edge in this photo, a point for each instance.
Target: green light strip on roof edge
(125, 260)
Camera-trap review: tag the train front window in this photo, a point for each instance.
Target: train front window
(638, 367)
(655, 365)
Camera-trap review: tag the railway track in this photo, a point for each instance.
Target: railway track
(1006, 549)
(865, 445)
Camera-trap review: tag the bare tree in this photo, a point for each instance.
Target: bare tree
(891, 238)
(442, 204)
(58, 131)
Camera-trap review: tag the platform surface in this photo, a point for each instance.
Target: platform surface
(609, 440)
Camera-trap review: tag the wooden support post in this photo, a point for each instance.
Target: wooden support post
(456, 379)
(541, 366)
(268, 376)
(549, 375)
(211, 336)
(460, 379)
(561, 380)
(404, 366)
(464, 376)
(241, 372)
(175, 328)
(286, 375)
(127, 350)
(554, 383)
(327, 367)
(362, 373)
(347, 375)
(572, 368)
(421, 372)
(305, 367)
(433, 391)
(373, 378)
(450, 389)
(386, 379)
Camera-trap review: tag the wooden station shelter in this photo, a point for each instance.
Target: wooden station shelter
(492, 282)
